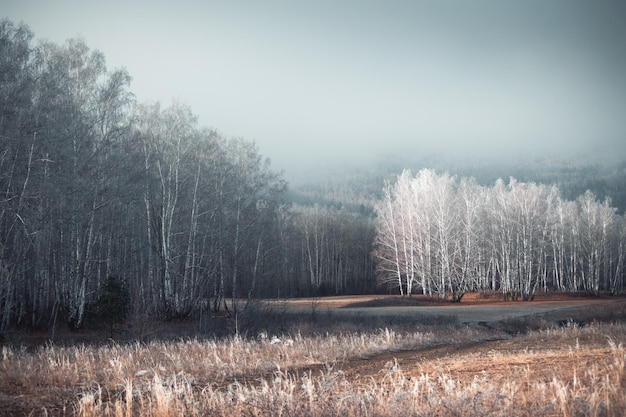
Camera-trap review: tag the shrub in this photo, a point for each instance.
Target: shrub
(113, 303)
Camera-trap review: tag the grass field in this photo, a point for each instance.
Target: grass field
(320, 361)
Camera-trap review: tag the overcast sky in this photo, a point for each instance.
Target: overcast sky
(315, 80)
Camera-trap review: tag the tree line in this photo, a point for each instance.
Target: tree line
(440, 235)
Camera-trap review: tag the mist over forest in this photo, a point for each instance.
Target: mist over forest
(107, 198)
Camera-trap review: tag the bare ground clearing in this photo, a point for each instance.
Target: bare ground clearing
(472, 310)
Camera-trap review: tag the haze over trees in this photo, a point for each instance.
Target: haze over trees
(98, 189)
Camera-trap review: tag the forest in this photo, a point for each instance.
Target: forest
(103, 195)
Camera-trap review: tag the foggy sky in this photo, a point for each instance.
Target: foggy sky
(311, 81)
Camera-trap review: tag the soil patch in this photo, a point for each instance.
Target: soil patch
(473, 309)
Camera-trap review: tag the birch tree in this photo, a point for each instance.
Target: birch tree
(516, 237)
(16, 161)
(472, 234)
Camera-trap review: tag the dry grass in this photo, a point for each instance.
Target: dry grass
(445, 371)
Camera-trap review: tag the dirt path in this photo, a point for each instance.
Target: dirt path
(407, 360)
(502, 359)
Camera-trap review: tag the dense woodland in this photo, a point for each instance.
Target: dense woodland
(102, 193)
(96, 186)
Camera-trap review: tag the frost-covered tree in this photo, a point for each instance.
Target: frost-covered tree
(450, 236)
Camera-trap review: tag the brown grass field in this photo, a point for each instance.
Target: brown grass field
(343, 356)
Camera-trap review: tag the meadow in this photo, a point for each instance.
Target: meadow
(319, 361)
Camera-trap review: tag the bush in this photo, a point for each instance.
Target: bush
(113, 303)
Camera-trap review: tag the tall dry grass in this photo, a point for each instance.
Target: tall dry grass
(298, 375)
